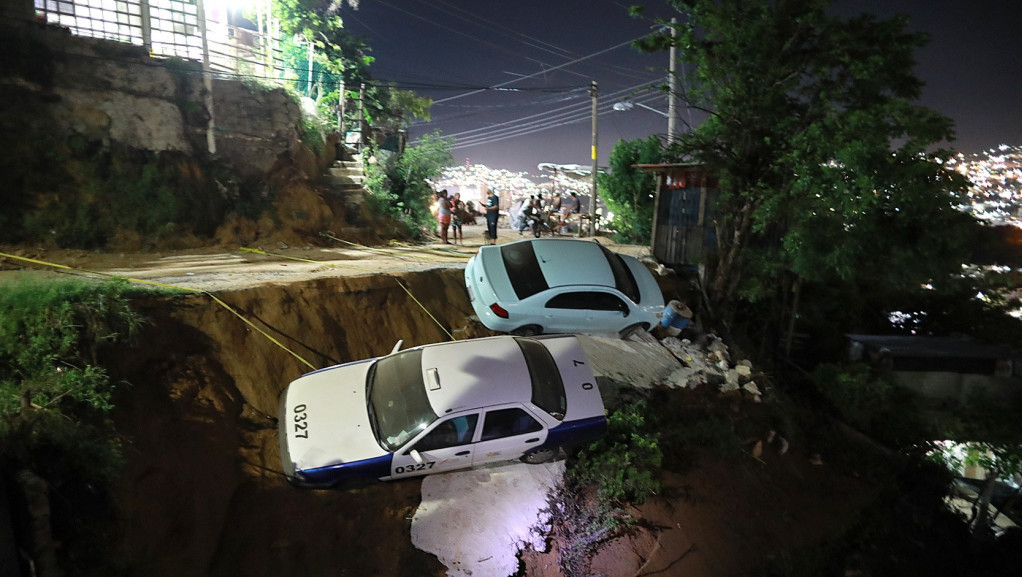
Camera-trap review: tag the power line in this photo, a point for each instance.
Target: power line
(539, 122)
(557, 67)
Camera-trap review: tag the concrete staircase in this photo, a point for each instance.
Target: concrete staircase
(347, 177)
(346, 195)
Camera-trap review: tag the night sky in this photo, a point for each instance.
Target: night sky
(510, 80)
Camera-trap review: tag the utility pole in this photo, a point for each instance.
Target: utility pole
(207, 78)
(308, 89)
(361, 116)
(672, 83)
(592, 199)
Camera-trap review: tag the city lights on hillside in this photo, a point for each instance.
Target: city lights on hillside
(473, 180)
(996, 177)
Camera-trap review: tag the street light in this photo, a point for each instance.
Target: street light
(628, 105)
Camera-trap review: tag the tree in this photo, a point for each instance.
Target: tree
(314, 28)
(628, 191)
(340, 59)
(399, 183)
(823, 160)
(988, 430)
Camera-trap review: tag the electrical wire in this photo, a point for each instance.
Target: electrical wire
(547, 120)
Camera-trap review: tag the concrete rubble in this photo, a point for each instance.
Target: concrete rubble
(477, 521)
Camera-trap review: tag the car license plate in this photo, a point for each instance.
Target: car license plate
(471, 295)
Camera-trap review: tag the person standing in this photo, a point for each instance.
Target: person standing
(444, 214)
(571, 206)
(457, 217)
(492, 214)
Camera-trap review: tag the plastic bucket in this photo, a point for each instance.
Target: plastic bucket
(676, 316)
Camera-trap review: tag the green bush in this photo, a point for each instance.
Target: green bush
(628, 191)
(54, 401)
(864, 397)
(624, 465)
(399, 183)
(585, 508)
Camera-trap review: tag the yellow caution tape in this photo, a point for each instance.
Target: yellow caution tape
(164, 285)
(394, 253)
(402, 285)
(422, 306)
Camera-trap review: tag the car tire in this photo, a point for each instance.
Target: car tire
(633, 329)
(540, 456)
(528, 331)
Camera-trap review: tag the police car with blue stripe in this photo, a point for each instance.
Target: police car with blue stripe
(438, 408)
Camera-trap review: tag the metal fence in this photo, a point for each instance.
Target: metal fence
(174, 28)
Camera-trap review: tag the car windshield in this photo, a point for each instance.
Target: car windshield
(623, 279)
(523, 269)
(397, 403)
(547, 386)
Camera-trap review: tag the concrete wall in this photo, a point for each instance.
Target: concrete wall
(948, 390)
(114, 92)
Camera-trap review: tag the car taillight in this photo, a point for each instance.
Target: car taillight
(497, 310)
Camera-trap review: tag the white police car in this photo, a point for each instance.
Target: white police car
(437, 408)
(559, 285)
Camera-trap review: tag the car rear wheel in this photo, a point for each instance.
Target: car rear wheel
(527, 331)
(633, 329)
(539, 456)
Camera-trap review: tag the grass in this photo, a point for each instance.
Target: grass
(55, 398)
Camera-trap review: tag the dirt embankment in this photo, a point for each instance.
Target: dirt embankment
(202, 493)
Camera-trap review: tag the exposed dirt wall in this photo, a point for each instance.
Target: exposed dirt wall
(202, 493)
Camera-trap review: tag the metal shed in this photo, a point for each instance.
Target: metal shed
(683, 233)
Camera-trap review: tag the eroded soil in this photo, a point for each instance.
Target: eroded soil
(202, 493)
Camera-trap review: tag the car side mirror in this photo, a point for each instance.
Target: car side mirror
(417, 456)
(397, 346)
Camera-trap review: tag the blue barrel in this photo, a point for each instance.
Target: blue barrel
(676, 315)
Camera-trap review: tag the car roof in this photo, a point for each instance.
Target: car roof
(567, 262)
(476, 373)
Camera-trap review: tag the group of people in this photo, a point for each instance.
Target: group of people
(453, 213)
(536, 209)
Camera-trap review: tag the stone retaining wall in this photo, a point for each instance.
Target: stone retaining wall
(114, 92)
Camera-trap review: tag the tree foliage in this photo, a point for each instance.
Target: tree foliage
(398, 182)
(824, 162)
(340, 67)
(628, 191)
(990, 437)
(55, 399)
(50, 335)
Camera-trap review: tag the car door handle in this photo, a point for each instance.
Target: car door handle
(532, 440)
(462, 453)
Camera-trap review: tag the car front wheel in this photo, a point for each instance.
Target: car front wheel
(539, 456)
(527, 331)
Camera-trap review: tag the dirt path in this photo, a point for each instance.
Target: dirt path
(223, 269)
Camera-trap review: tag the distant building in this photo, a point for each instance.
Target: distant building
(948, 371)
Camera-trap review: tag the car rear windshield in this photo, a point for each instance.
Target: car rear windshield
(547, 386)
(523, 269)
(623, 279)
(397, 402)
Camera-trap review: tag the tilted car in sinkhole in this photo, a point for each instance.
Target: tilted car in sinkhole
(560, 285)
(439, 407)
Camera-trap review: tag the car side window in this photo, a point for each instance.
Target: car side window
(606, 302)
(508, 423)
(567, 301)
(450, 433)
(594, 301)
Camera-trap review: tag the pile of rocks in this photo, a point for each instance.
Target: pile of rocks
(710, 363)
